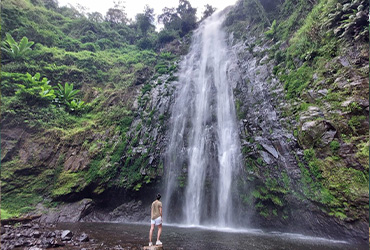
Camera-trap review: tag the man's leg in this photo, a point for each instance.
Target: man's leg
(151, 232)
(159, 231)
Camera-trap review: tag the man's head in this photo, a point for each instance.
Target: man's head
(158, 196)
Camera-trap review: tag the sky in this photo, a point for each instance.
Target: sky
(137, 6)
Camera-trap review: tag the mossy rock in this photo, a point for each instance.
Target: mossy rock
(318, 133)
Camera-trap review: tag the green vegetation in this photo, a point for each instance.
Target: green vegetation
(69, 82)
(35, 90)
(70, 78)
(334, 146)
(179, 21)
(66, 93)
(268, 198)
(297, 80)
(311, 50)
(239, 112)
(67, 184)
(14, 50)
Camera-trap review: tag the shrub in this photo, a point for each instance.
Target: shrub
(146, 88)
(271, 32)
(9, 82)
(144, 43)
(166, 36)
(35, 90)
(105, 43)
(279, 56)
(16, 51)
(167, 56)
(76, 105)
(66, 93)
(90, 47)
(70, 44)
(297, 80)
(334, 146)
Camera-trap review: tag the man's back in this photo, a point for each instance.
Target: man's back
(156, 220)
(155, 209)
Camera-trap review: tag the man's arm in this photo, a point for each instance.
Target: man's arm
(160, 211)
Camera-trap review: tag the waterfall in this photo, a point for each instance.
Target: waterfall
(203, 150)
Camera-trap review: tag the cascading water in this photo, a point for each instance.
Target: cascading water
(204, 145)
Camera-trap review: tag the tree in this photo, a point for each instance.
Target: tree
(182, 19)
(166, 36)
(16, 51)
(95, 17)
(145, 20)
(51, 4)
(187, 15)
(116, 14)
(168, 17)
(149, 13)
(81, 9)
(70, 11)
(208, 11)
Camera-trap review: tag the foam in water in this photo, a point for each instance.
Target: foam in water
(204, 136)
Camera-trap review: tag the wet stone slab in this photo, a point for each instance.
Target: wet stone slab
(153, 248)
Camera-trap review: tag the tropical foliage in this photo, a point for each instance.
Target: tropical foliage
(35, 89)
(69, 73)
(66, 93)
(14, 50)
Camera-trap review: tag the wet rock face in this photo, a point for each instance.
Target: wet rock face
(10, 138)
(131, 211)
(127, 211)
(260, 104)
(76, 160)
(353, 16)
(148, 132)
(274, 137)
(69, 212)
(29, 152)
(318, 133)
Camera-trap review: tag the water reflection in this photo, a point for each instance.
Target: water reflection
(134, 236)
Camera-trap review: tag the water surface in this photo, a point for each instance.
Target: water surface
(135, 236)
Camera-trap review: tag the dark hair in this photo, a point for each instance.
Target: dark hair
(158, 196)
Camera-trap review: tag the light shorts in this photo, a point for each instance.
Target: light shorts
(157, 221)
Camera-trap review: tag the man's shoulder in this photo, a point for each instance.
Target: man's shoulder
(159, 203)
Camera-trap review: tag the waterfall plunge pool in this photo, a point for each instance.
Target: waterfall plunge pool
(135, 236)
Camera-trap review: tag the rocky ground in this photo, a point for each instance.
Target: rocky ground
(36, 236)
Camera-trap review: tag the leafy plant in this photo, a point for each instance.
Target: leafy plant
(272, 31)
(167, 56)
(47, 91)
(16, 51)
(35, 89)
(76, 105)
(66, 94)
